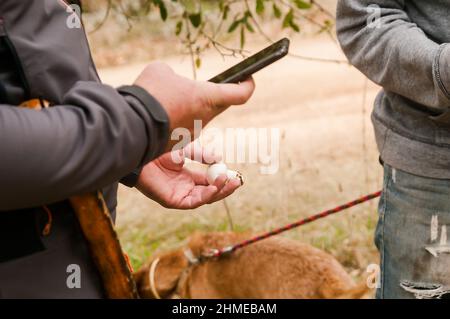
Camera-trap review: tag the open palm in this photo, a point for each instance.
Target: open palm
(168, 182)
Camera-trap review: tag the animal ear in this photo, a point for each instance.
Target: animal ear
(166, 275)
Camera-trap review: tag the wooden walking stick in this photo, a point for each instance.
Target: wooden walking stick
(98, 229)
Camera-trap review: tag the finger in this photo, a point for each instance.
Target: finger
(199, 178)
(221, 181)
(223, 95)
(199, 196)
(227, 190)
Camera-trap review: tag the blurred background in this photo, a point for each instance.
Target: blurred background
(320, 103)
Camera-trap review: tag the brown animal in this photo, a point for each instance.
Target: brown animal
(273, 268)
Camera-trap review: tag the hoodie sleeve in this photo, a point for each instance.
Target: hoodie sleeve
(94, 138)
(381, 41)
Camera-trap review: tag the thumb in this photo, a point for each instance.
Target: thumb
(224, 95)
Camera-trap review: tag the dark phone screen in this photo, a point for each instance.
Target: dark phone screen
(244, 69)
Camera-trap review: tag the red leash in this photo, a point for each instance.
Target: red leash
(233, 248)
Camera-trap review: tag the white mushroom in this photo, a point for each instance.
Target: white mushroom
(215, 170)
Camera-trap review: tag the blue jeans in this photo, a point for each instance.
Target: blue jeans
(411, 235)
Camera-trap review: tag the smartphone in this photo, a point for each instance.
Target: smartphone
(253, 64)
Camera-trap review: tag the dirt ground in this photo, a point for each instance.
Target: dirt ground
(327, 156)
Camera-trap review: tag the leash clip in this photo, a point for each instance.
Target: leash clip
(216, 253)
(190, 256)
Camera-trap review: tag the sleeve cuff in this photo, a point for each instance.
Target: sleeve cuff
(157, 111)
(158, 131)
(131, 179)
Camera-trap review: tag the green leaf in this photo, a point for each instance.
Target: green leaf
(162, 10)
(179, 28)
(196, 19)
(198, 62)
(249, 27)
(294, 26)
(242, 37)
(288, 21)
(260, 7)
(234, 25)
(276, 11)
(327, 25)
(288, 18)
(226, 10)
(302, 4)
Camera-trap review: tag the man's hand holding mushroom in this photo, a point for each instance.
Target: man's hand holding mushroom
(165, 179)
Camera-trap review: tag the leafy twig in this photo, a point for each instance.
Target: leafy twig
(294, 55)
(190, 47)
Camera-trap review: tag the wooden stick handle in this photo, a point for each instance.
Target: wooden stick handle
(98, 229)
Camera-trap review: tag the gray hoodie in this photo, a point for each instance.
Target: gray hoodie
(90, 139)
(402, 46)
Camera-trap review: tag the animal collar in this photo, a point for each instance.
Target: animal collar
(151, 275)
(191, 257)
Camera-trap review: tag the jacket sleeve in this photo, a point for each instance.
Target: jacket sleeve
(380, 40)
(94, 138)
